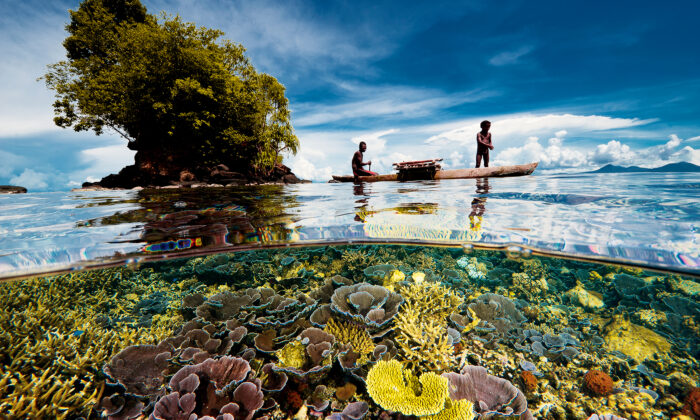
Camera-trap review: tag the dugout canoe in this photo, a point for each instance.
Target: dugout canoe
(493, 171)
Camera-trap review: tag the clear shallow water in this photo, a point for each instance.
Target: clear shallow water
(649, 219)
(345, 331)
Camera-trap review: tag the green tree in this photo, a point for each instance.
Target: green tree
(183, 96)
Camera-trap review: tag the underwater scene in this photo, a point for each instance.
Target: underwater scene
(352, 331)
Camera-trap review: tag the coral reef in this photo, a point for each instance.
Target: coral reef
(396, 389)
(346, 332)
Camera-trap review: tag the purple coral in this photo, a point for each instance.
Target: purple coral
(223, 373)
(353, 411)
(372, 305)
(139, 368)
(492, 396)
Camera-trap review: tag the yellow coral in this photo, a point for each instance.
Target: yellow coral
(347, 333)
(393, 278)
(431, 299)
(422, 341)
(454, 410)
(293, 355)
(421, 326)
(394, 389)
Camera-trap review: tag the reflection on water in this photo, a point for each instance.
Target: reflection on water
(651, 222)
(348, 332)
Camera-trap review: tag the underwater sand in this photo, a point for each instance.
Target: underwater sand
(295, 332)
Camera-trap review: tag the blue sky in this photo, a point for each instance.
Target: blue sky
(574, 85)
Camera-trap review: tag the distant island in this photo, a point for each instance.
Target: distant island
(671, 167)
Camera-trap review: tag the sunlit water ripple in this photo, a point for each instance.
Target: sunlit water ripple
(650, 219)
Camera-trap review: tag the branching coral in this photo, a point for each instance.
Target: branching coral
(422, 341)
(57, 332)
(396, 389)
(421, 326)
(431, 299)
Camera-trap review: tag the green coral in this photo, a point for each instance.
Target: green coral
(397, 389)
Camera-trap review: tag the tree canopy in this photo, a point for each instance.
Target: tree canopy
(181, 94)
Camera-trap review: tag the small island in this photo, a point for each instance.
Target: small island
(12, 189)
(189, 103)
(671, 167)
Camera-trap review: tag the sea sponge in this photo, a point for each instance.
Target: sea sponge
(692, 403)
(529, 380)
(598, 383)
(397, 389)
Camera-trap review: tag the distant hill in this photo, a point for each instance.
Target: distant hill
(671, 167)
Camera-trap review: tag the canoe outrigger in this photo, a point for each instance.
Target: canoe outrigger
(431, 169)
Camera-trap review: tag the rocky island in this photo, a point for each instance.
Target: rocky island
(189, 103)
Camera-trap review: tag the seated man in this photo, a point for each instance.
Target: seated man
(357, 162)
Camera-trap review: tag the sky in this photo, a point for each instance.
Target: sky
(572, 84)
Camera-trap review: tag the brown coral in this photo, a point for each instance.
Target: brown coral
(598, 383)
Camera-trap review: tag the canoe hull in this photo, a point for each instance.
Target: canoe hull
(494, 171)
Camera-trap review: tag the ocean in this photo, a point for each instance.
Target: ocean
(553, 296)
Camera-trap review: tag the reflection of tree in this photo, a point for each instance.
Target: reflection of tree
(214, 216)
(479, 204)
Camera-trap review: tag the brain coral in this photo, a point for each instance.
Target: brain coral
(396, 389)
(597, 382)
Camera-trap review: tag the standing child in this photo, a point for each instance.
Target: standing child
(483, 144)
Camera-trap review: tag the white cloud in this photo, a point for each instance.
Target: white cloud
(510, 57)
(557, 156)
(375, 141)
(519, 126)
(10, 163)
(102, 161)
(31, 180)
(305, 169)
(696, 138)
(612, 151)
(374, 102)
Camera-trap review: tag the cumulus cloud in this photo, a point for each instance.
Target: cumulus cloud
(612, 151)
(31, 180)
(305, 169)
(558, 156)
(10, 163)
(102, 161)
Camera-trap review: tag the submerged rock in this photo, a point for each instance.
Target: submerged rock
(584, 298)
(633, 340)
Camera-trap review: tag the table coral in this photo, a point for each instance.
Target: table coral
(396, 389)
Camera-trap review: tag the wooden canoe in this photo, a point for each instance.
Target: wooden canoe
(514, 170)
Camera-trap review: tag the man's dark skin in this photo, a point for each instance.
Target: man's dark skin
(357, 162)
(483, 144)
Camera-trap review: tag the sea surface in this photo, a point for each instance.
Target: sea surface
(552, 297)
(648, 219)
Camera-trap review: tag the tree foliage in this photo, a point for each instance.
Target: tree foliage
(171, 88)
